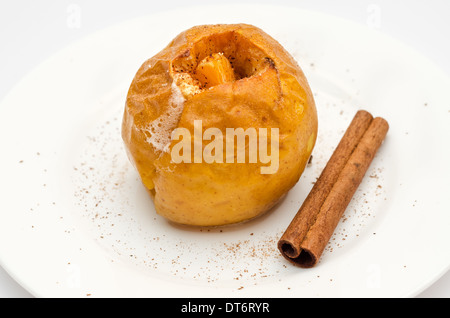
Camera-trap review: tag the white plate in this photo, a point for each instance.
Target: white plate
(76, 221)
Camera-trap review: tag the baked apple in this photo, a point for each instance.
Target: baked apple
(219, 125)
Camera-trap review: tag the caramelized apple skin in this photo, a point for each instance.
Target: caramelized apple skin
(268, 90)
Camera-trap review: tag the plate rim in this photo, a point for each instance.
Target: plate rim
(4, 263)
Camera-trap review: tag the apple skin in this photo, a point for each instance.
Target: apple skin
(270, 91)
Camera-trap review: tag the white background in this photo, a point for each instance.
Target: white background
(30, 31)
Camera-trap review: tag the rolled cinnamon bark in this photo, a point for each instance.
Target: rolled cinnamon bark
(309, 232)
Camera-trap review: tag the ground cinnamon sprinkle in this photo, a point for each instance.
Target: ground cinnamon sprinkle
(117, 224)
(106, 188)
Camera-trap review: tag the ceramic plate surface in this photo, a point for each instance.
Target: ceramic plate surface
(75, 220)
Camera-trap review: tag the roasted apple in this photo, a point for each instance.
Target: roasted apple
(219, 125)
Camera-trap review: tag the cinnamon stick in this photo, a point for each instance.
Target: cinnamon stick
(310, 230)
